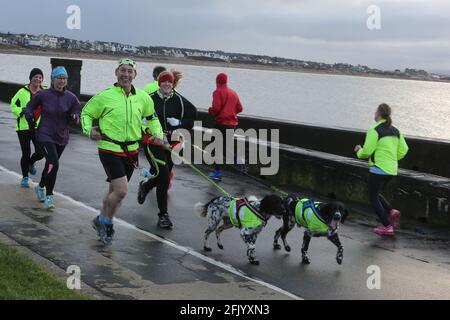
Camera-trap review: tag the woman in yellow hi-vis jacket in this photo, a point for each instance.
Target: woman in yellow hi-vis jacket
(384, 146)
(24, 132)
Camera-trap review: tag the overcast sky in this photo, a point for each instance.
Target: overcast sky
(414, 33)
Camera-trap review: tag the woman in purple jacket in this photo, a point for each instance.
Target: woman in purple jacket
(59, 107)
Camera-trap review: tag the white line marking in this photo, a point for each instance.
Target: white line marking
(173, 244)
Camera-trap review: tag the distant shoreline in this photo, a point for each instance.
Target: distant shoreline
(192, 62)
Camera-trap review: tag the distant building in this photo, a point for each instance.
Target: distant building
(34, 42)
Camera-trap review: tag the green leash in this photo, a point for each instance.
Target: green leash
(283, 193)
(199, 171)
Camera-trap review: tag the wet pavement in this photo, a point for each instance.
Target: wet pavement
(145, 262)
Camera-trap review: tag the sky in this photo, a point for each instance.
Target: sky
(411, 33)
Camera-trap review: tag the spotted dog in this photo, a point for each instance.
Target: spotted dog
(249, 215)
(318, 219)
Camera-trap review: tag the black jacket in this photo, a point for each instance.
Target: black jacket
(174, 106)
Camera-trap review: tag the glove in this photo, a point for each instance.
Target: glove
(76, 118)
(174, 122)
(31, 124)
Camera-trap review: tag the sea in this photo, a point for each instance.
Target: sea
(420, 108)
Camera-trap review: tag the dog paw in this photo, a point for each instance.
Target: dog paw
(287, 248)
(339, 260)
(207, 249)
(276, 246)
(220, 246)
(305, 260)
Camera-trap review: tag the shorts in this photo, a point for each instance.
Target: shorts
(116, 166)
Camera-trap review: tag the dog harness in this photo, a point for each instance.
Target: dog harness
(306, 215)
(243, 215)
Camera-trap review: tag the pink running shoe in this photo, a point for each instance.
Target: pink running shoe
(384, 231)
(394, 218)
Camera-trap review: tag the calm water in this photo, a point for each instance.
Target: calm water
(419, 108)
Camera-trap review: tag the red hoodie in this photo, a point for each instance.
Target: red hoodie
(225, 106)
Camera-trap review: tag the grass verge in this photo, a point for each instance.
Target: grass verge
(23, 279)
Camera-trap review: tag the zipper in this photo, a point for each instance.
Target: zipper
(164, 114)
(126, 115)
(131, 113)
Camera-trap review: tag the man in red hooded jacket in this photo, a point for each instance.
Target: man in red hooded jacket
(225, 107)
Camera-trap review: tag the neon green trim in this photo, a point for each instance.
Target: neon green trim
(311, 221)
(247, 217)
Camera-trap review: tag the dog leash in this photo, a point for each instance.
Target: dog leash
(193, 167)
(283, 193)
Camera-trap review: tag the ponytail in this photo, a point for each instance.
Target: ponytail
(385, 112)
(177, 75)
(389, 121)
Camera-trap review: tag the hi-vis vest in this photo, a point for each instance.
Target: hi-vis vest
(243, 215)
(306, 216)
(18, 106)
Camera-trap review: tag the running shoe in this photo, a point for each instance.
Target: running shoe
(384, 231)
(49, 203)
(394, 218)
(25, 182)
(40, 193)
(99, 227)
(216, 175)
(32, 169)
(109, 234)
(164, 221)
(142, 193)
(104, 231)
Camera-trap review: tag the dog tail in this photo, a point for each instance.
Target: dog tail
(200, 209)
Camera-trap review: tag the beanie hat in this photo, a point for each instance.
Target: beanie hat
(36, 71)
(165, 76)
(59, 71)
(221, 78)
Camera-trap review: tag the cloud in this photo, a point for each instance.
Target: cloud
(413, 32)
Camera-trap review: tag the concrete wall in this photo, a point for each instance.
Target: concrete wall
(419, 196)
(425, 155)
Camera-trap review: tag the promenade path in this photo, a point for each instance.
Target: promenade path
(145, 262)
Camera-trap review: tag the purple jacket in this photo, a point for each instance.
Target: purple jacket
(57, 110)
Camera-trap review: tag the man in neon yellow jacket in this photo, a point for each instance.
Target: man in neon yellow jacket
(119, 111)
(384, 146)
(24, 132)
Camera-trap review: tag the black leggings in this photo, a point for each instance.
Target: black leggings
(379, 203)
(52, 152)
(223, 130)
(161, 181)
(25, 137)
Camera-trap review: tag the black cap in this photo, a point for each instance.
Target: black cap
(34, 72)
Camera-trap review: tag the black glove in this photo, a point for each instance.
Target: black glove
(31, 124)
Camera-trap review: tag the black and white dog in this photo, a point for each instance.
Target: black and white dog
(318, 218)
(249, 215)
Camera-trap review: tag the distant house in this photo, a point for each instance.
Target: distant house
(52, 42)
(34, 42)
